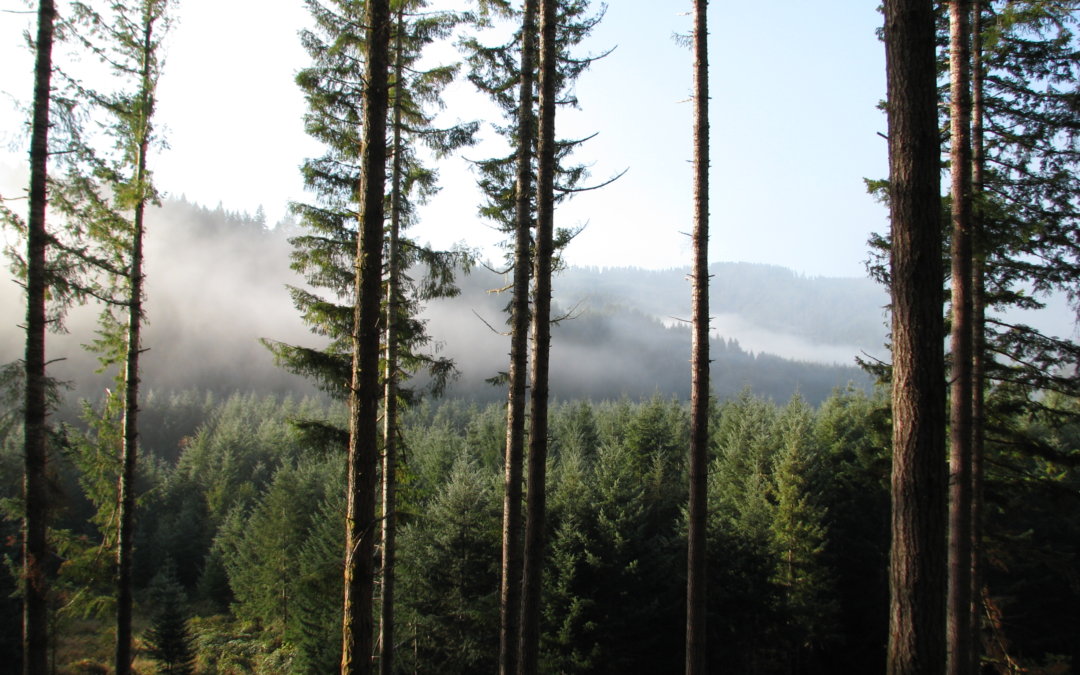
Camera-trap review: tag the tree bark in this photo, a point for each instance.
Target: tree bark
(959, 554)
(699, 383)
(536, 490)
(35, 454)
(978, 330)
(125, 539)
(917, 579)
(390, 407)
(510, 584)
(364, 394)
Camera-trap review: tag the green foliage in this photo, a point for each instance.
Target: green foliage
(318, 591)
(261, 548)
(798, 537)
(324, 254)
(449, 576)
(169, 640)
(800, 532)
(495, 71)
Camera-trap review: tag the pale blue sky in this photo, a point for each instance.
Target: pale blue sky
(794, 128)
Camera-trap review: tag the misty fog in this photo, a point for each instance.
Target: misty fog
(216, 284)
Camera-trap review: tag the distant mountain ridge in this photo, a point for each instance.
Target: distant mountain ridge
(216, 284)
(824, 310)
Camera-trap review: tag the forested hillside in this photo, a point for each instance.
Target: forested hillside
(242, 509)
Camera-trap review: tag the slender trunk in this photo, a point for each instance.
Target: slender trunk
(536, 491)
(360, 525)
(35, 485)
(390, 410)
(917, 579)
(959, 598)
(510, 584)
(129, 450)
(699, 360)
(978, 330)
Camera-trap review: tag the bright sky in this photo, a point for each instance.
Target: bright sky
(795, 127)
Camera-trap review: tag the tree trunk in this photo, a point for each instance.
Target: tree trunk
(699, 384)
(129, 451)
(390, 410)
(360, 526)
(917, 579)
(35, 485)
(978, 331)
(959, 602)
(536, 491)
(510, 584)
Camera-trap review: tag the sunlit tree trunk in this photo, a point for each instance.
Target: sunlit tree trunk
(35, 486)
(129, 450)
(364, 394)
(536, 491)
(699, 384)
(959, 603)
(917, 578)
(510, 584)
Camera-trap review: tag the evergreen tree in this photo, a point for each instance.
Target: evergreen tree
(363, 450)
(536, 488)
(317, 611)
(261, 550)
(699, 359)
(960, 400)
(127, 39)
(917, 562)
(449, 560)
(169, 639)
(508, 74)
(35, 490)
(512, 554)
(800, 535)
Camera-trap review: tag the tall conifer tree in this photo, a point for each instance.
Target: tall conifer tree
(699, 359)
(917, 558)
(35, 486)
(512, 554)
(364, 391)
(536, 489)
(128, 40)
(960, 430)
(978, 333)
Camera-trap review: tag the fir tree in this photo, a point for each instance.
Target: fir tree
(169, 640)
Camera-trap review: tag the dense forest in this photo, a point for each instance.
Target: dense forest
(324, 446)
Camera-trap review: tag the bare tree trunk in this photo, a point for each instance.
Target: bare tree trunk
(917, 579)
(978, 329)
(390, 410)
(510, 584)
(959, 554)
(35, 485)
(125, 539)
(536, 491)
(360, 526)
(699, 385)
